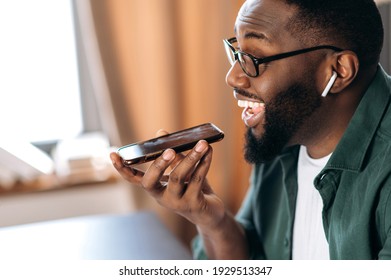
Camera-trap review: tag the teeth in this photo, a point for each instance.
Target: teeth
(248, 104)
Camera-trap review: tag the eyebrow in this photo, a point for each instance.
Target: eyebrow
(254, 35)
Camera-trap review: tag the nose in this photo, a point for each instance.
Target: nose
(236, 78)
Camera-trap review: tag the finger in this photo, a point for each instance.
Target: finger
(197, 179)
(128, 173)
(185, 168)
(154, 175)
(161, 132)
(179, 157)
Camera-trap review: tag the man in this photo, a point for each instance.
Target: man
(317, 107)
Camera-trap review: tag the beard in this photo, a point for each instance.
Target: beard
(284, 115)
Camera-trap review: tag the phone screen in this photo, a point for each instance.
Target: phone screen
(179, 141)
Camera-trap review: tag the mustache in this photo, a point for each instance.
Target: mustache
(247, 94)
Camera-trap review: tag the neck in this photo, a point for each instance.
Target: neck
(332, 119)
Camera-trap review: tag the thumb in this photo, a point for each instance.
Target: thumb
(178, 157)
(161, 132)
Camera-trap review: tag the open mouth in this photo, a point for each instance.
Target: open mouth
(250, 106)
(253, 112)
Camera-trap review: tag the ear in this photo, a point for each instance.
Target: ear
(346, 64)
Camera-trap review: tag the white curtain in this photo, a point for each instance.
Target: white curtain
(93, 79)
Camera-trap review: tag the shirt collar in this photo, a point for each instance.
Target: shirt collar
(351, 150)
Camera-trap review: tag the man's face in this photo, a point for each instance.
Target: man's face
(284, 115)
(279, 102)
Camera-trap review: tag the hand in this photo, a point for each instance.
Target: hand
(185, 190)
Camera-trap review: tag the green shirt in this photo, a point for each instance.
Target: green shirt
(355, 187)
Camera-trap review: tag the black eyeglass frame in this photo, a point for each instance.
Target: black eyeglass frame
(258, 61)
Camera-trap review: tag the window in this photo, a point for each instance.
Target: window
(39, 88)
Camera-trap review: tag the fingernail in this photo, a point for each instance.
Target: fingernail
(168, 155)
(200, 147)
(116, 164)
(113, 160)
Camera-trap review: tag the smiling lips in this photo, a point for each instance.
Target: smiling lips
(252, 113)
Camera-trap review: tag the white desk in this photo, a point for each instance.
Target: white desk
(139, 236)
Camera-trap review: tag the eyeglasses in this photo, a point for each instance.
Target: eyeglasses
(250, 64)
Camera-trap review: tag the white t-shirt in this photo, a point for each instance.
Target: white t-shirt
(309, 240)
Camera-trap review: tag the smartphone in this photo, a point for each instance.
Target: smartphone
(179, 141)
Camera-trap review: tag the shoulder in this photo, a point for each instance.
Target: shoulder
(385, 126)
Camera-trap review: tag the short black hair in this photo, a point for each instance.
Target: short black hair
(354, 25)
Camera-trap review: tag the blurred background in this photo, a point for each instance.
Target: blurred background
(81, 77)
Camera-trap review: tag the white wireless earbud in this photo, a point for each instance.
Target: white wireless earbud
(329, 84)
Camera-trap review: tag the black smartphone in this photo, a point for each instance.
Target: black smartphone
(179, 141)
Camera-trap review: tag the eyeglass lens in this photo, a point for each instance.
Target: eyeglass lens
(247, 64)
(230, 54)
(245, 61)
